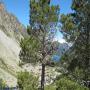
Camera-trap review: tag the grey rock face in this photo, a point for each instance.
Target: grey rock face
(11, 32)
(11, 26)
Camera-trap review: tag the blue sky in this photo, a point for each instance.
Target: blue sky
(65, 7)
(20, 8)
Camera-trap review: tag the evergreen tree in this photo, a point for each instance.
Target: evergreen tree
(38, 47)
(76, 29)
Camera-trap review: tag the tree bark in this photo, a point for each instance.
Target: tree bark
(43, 77)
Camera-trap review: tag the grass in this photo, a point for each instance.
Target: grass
(50, 87)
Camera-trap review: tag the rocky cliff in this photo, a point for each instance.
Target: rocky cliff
(11, 31)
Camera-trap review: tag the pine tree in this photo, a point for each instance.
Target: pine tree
(76, 29)
(39, 46)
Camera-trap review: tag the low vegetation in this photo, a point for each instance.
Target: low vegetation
(2, 84)
(67, 84)
(27, 81)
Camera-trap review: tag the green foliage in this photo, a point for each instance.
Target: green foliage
(2, 84)
(43, 22)
(42, 12)
(79, 74)
(69, 28)
(30, 50)
(65, 19)
(76, 30)
(50, 87)
(67, 84)
(27, 81)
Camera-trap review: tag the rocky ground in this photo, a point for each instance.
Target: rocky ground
(50, 72)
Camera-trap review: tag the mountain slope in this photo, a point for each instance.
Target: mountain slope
(11, 32)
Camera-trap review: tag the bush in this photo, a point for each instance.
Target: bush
(2, 84)
(50, 87)
(67, 84)
(27, 81)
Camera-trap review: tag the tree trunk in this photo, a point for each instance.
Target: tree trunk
(43, 77)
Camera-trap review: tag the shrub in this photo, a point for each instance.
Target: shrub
(27, 81)
(50, 87)
(67, 84)
(2, 84)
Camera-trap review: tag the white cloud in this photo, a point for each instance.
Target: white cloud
(61, 40)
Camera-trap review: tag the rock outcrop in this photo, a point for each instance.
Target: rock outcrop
(11, 32)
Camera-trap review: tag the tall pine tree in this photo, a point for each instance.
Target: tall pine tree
(76, 29)
(39, 46)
